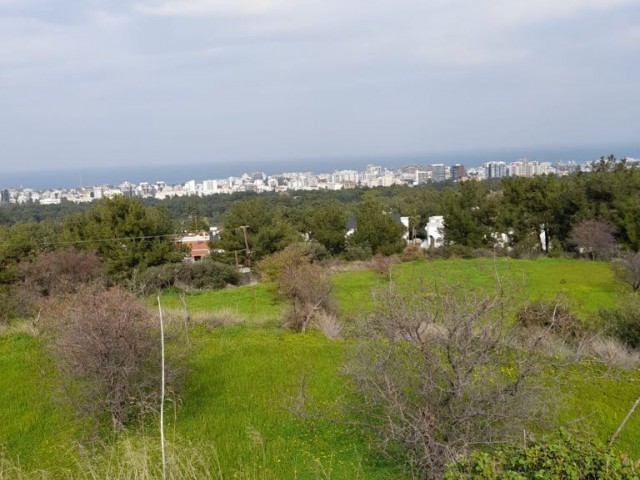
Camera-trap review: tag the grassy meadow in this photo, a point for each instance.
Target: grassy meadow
(244, 380)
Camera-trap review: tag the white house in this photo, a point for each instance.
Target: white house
(435, 232)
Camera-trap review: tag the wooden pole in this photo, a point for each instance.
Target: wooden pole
(162, 383)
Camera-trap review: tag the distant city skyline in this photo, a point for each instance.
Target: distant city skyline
(155, 82)
(374, 175)
(179, 173)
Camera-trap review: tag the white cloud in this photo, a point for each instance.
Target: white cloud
(527, 11)
(212, 7)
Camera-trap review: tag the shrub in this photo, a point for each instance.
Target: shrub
(436, 372)
(561, 456)
(204, 274)
(9, 305)
(412, 252)
(449, 251)
(528, 247)
(308, 288)
(273, 266)
(556, 318)
(356, 252)
(61, 272)
(108, 356)
(210, 274)
(316, 251)
(594, 239)
(382, 264)
(627, 269)
(623, 322)
(159, 277)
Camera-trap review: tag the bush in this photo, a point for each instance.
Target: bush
(439, 371)
(316, 251)
(448, 251)
(61, 272)
(308, 288)
(626, 268)
(355, 252)
(561, 456)
(210, 274)
(382, 264)
(204, 274)
(50, 274)
(273, 266)
(108, 356)
(623, 322)
(527, 248)
(9, 305)
(159, 277)
(411, 253)
(555, 317)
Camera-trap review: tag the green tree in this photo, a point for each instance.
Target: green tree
(377, 230)
(128, 236)
(527, 207)
(257, 225)
(470, 213)
(327, 225)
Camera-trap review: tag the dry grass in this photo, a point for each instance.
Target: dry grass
(354, 266)
(614, 353)
(140, 460)
(328, 324)
(208, 319)
(21, 327)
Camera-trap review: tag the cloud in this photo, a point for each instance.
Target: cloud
(307, 77)
(212, 7)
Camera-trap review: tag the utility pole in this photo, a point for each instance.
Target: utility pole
(247, 252)
(246, 244)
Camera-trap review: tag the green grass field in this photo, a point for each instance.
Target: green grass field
(35, 429)
(587, 285)
(242, 379)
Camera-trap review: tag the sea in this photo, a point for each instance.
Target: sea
(180, 172)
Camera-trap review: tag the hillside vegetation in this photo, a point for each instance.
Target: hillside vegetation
(244, 378)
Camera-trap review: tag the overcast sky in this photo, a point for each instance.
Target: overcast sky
(119, 82)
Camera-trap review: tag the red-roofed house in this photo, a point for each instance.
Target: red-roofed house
(198, 245)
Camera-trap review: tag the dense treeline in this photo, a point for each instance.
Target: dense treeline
(584, 212)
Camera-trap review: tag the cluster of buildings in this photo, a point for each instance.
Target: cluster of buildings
(371, 176)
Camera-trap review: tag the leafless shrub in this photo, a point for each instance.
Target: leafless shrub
(108, 355)
(627, 269)
(412, 252)
(308, 288)
(62, 272)
(439, 372)
(594, 239)
(382, 264)
(328, 324)
(554, 317)
(55, 273)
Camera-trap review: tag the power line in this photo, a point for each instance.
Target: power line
(94, 240)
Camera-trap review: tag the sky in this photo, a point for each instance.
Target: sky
(115, 83)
